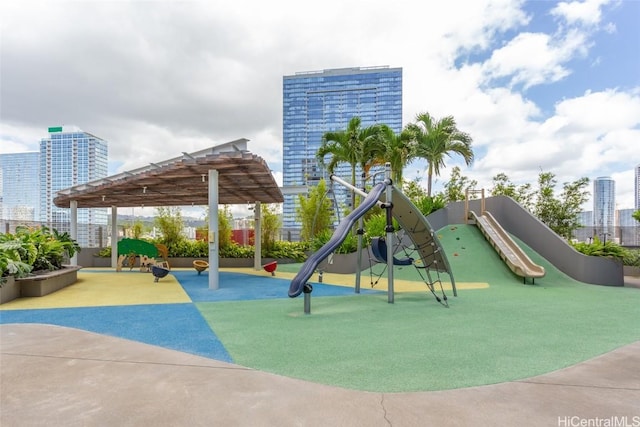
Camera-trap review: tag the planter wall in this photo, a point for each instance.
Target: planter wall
(10, 290)
(86, 257)
(188, 262)
(631, 271)
(343, 263)
(98, 261)
(179, 262)
(182, 262)
(223, 262)
(235, 262)
(44, 284)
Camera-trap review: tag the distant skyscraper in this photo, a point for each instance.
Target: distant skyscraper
(70, 157)
(20, 186)
(637, 189)
(629, 228)
(604, 207)
(321, 101)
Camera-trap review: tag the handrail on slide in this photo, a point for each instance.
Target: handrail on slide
(341, 233)
(510, 252)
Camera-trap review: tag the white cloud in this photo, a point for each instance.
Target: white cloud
(592, 135)
(601, 112)
(586, 12)
(624, 189)
(533, 58)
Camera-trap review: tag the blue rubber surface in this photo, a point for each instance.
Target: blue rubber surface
(176, 326)
(240, 287)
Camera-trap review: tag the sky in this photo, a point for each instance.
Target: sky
(539, 85)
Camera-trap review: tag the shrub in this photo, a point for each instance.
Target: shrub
(429, 204)
(287, 250)
(376, 226)
(607, 249)
(234, 250)
(11, 263)
(348, 245)
(37, 249)
(169, 221)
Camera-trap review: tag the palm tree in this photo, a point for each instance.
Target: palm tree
(356, 146)
(437, 138)
(398, 150)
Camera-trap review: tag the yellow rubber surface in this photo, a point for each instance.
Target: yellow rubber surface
(99, 289)
(348, 280)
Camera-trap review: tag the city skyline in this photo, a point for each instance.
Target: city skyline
(551, 86)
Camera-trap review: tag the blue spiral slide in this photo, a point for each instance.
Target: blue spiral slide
(341, 233)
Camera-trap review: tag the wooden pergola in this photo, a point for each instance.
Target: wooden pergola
(182, 181)
(223, 174)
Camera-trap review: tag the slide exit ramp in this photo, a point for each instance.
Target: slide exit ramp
(342, 231)
(422, 235)
(510, 252)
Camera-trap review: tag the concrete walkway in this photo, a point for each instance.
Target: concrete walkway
(51, 375)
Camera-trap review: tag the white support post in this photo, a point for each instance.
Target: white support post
(390, 242)
(213, 230)
(257, 237)
(74, 228)
(360, 227)
(114, 237)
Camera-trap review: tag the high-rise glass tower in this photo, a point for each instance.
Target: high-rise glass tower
(70, 157)
(321, 101)
(20, 186)
(604, 207)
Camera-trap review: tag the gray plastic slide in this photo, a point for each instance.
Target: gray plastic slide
(510, 252)
(341, 233)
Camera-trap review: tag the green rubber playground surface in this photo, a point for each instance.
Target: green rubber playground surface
(504, 332)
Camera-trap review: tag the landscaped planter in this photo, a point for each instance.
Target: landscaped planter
(184, 262)
(222, 262)
(280, 260)
(235, 262)
(10, 290)
(226, 262)
(46, 283)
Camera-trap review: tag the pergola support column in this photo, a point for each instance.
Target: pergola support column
(257, 237)
(213, 230)
(114, 237)
(74, 227)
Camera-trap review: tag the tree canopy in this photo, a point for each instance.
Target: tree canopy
(169, 221)
(436, 139)
(356, 146)
(314, 211)
(558, 212)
